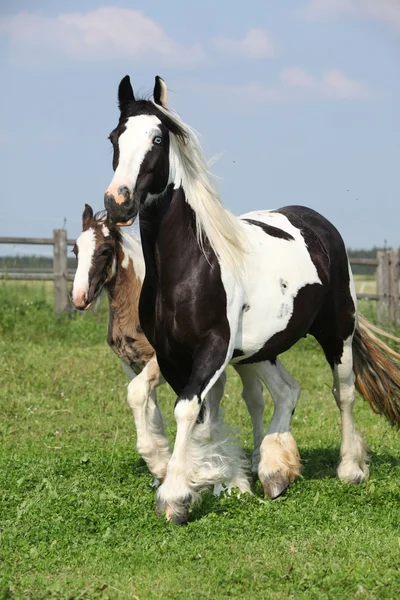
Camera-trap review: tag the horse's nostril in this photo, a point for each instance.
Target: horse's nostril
(108, 198)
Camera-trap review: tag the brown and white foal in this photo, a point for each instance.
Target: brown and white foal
(110, 259)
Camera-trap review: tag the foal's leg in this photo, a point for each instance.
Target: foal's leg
(252, 394)
(280, 459)
(152, 443)
(353, 451)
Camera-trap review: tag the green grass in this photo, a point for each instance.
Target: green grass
(77, 516)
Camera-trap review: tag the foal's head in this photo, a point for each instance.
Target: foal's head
(96, 252)
(141, 143)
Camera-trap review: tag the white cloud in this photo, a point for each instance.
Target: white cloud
(105, 33)
(295, 85)
(332, 84)
(256, 43)
(384, 11)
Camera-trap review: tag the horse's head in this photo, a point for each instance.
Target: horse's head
(95, 250)
(141, 160)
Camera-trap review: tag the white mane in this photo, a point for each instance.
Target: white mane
(189, 169)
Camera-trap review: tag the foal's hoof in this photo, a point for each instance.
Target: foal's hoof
(275, 485)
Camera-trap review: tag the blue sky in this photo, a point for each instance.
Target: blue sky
(300, 100)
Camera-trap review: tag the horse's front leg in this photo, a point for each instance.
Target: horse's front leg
(152, 443)
(197, 461)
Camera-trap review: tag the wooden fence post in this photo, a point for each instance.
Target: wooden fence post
(382, 286)
(393, 285)
(387, 285)
(60, 270)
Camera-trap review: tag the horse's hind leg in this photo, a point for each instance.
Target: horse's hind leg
(353, 451)
(252, 394)
(280, 459)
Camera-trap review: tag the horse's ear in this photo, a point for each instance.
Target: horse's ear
(160, 92)
(87, 214)
(125, 92)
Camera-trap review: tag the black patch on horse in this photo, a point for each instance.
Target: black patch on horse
(271, 230)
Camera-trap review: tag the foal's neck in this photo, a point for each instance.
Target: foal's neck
(124, 289)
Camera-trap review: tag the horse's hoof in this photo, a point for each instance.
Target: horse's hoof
(275, 485)
(179, 518)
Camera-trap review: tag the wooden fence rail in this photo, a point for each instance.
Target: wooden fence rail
(386, 263)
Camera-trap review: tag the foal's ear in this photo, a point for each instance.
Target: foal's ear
(160, 92)
(125, 92)
(87, 214)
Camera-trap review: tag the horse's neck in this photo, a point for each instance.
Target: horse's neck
(168, 234)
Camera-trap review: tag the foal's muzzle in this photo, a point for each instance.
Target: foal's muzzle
(80, 300)
(121, 208)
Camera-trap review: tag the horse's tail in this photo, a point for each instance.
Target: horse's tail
(377, 370)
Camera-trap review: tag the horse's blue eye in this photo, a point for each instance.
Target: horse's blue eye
(157, 140)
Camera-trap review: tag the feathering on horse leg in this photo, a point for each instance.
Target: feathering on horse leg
(252, 394)
(280, 459)
(152, 443)
(222, 456)
(353, 451)
(197, 461)
(177, 491)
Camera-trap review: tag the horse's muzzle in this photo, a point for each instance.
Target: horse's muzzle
(124, 212)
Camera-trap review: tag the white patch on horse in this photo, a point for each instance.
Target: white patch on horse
(105, 230)
(86, 243)
(134, 143)
(132, 251)
(266, 281)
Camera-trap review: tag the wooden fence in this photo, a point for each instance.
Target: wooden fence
(60, 274)
(386, 264)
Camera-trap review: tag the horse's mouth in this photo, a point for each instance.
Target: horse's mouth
(126, 224)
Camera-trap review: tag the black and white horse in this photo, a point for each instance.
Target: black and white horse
(221, 289)
(111, 260)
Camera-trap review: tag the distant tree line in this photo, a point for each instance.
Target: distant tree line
(33, 263)
(45, 263)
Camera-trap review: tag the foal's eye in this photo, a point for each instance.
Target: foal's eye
(157, 140)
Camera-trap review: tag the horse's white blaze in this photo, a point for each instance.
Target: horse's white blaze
(86, 246)
(133, 252)
(270, 286)
(134, 143)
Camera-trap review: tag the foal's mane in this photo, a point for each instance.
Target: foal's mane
(101, 217)
(222, 229)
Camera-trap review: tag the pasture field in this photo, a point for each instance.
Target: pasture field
(77, 516)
